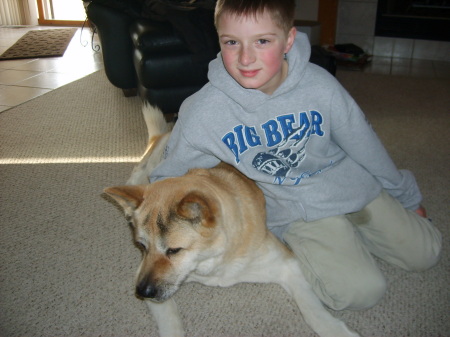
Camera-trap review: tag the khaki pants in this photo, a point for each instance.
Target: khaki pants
(336, 253)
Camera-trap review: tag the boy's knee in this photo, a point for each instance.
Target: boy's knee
(424, 262)
(358, 293)
(428, 255)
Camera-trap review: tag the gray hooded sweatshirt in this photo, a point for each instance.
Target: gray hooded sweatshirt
(308, 146)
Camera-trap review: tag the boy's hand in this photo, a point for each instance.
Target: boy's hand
(422, 211)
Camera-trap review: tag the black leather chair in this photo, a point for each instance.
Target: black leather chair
(163, 63)
(112, 23)
(168, 70)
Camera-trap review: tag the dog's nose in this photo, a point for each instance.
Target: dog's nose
(146, 290)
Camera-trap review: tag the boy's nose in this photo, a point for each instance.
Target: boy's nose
(246, 56)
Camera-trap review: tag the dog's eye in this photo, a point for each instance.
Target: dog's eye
(172, 251)
(141, 246)
(129, 219)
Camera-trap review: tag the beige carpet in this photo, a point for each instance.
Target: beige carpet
(67, 258)
(40, 43)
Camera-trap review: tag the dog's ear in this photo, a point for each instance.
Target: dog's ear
(129, 197)
(196, 207)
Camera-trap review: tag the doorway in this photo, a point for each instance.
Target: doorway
(61, 12)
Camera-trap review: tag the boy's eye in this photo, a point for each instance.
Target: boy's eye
(263, 41)
(231, 42)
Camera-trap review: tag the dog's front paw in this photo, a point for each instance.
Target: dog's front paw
(339, 330)
(167, 318)
(171, 332)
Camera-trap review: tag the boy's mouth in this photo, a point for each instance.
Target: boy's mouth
(248, 73)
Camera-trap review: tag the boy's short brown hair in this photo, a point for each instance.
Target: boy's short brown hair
(282, 11)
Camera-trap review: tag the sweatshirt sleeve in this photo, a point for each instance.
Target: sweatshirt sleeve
(355, 136)
(181, 155)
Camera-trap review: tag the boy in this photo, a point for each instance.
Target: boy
(333, 194)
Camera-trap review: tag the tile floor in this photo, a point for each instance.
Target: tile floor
(409, 67)
(22, 80)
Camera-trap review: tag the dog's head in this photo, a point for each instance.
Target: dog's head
(176, 226)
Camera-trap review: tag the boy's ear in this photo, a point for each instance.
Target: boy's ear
(290, 39)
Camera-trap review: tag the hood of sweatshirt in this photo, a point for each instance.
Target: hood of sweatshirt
(252, 99)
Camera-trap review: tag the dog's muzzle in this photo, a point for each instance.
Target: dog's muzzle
(146, 289)
(155, 291)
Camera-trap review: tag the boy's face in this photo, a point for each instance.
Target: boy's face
(253, 50)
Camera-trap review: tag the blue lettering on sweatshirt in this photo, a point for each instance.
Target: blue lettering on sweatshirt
(287, 133)
(307, 174)
(240, 139)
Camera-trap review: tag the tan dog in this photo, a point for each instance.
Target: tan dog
(207, 226)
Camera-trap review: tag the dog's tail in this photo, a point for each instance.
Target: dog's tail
(158, 135)
(155, 121)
